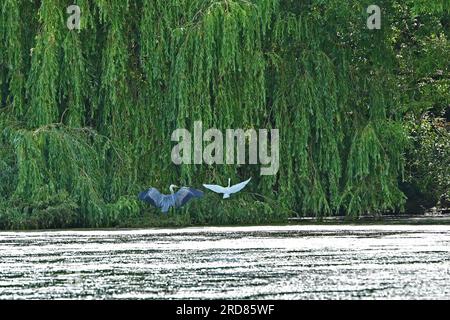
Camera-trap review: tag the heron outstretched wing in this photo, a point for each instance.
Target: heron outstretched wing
(152, 196)
(183, 195)
(238, 187)
(167, 201)
(215, 188)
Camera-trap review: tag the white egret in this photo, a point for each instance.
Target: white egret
(227, 191)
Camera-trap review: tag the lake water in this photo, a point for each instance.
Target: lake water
(290, 262)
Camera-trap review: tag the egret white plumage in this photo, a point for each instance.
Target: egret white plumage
(174, 199)
(227, 191)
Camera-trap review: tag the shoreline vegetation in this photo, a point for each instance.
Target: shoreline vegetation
(413, 219)
(155, 222)
(86, 116)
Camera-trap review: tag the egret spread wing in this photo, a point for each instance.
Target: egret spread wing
(215, 188)
(238, 187)
(152, 196)
(185, 194)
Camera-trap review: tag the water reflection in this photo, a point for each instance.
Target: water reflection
(293, 262)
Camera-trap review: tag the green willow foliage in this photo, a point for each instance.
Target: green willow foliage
(86, 115)
(423, 48)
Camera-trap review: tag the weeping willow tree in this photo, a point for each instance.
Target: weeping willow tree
(87, 115)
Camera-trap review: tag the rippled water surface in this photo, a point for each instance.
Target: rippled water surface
(292, 262)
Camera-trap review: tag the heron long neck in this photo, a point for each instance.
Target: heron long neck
(172, 191)
(229, 182)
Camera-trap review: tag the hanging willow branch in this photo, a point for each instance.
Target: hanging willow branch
(91, 111)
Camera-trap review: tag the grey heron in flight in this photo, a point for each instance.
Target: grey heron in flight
(174, 199)
(227, 191)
